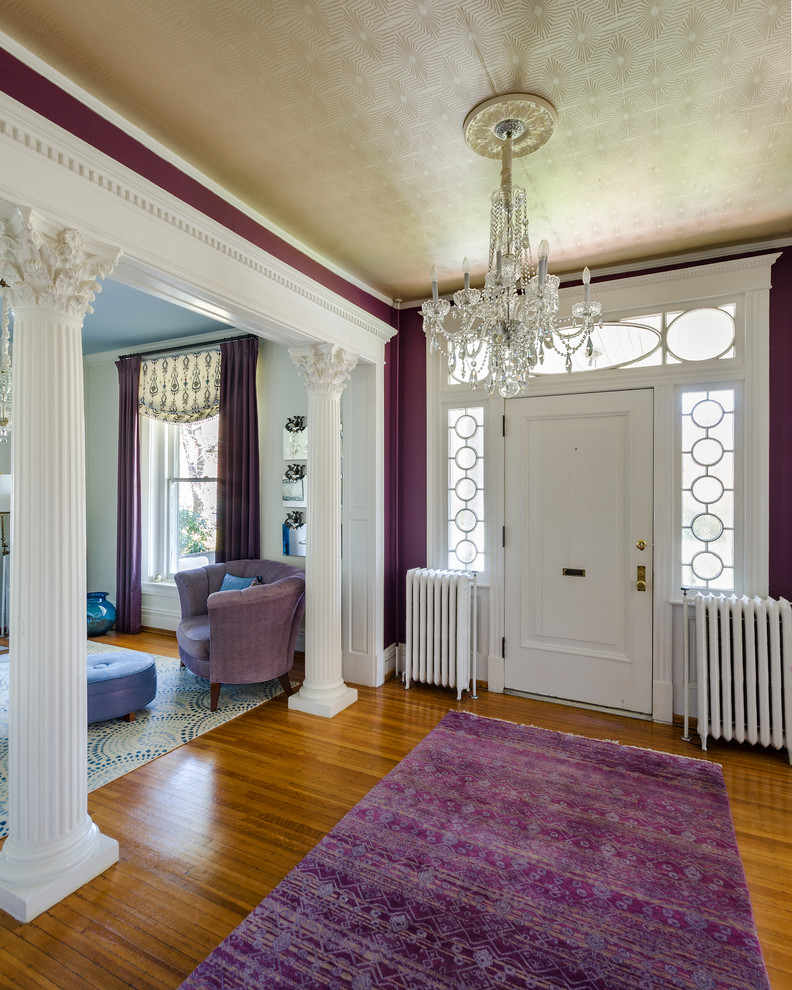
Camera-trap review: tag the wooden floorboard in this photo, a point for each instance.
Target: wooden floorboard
(207, 830)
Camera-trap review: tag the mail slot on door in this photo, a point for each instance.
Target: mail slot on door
(573, 571)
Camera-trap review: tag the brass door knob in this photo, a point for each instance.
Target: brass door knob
(641, 544)
(640, 578)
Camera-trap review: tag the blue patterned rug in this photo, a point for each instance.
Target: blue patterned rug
(179, 713)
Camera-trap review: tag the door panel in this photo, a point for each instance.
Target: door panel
(578, 499)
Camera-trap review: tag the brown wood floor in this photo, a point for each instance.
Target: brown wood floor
(207, 830)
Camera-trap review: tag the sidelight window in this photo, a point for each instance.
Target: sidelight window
(708, 489)
(465, 488)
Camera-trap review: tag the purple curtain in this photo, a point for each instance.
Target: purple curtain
(128, 594)
(238, 506)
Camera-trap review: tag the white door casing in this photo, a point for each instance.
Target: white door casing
(579, 498)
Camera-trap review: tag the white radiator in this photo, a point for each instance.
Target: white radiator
(744, 667)
(441, 629)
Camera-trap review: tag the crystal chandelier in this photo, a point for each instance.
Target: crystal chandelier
(5, 373)
(494, 337)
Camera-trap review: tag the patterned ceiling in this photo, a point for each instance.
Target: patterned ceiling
(341, 120)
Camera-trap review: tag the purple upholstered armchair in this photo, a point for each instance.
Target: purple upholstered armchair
(242, 636)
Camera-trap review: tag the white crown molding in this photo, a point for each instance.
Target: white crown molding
(57, 148)
(166, 154)
(679, 285)
(729, 255)
(760, 263)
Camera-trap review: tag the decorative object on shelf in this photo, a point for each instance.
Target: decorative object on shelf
(293, 485)
(494, 337)
(295, 439)
(101, 613)
(5, 372)
(294, 532)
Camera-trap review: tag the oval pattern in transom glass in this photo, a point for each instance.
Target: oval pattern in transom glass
(700, 334)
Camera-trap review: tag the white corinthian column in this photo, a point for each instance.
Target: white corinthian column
(53, 847)
(325, 369)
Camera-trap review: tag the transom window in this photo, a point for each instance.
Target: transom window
(664, 338)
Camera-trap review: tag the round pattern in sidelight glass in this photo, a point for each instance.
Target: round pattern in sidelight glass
(707, 413)
(465, 458)
(465, 489)
(707, 527)
(707, 489)
(706, 452)
(466, 551)
(466, 520)
(707, 565)
(465, 427)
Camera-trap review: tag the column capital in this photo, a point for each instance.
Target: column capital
(325, 368)
(51, 267)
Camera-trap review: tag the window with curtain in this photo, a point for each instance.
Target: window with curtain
(179, 396)
(180, 390)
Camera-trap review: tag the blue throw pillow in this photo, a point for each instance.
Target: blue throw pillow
(233, 583)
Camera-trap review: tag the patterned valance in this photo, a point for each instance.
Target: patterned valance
(180, 388)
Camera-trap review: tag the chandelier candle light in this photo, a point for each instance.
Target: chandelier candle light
(494, 337)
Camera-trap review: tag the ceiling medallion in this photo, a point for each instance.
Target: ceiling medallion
(536, 119)
(494, 337)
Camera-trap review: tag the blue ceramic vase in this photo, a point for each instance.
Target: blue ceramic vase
(101, 613)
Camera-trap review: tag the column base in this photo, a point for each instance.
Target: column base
(335, 701)
(26, 901)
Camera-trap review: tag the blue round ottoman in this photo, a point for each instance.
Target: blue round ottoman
(119, 684)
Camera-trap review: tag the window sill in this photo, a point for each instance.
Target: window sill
(166, 587)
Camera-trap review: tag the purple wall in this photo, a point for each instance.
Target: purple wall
(781, 428)
(406, 477)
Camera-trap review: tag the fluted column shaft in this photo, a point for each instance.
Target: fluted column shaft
(325, 370)
(53, 847)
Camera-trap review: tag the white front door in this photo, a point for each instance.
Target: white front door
(578, 507)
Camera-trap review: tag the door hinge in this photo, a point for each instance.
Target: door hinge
(503, 537)
(504, 425)
(503, 648)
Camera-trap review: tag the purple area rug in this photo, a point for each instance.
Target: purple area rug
(499, 855)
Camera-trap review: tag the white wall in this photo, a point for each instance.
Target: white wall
(101, 470)
(280, 395)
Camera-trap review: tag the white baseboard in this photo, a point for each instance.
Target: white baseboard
(386, 663)
(663, 701)
(496, 675)
(158, 618)
(401, 659)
